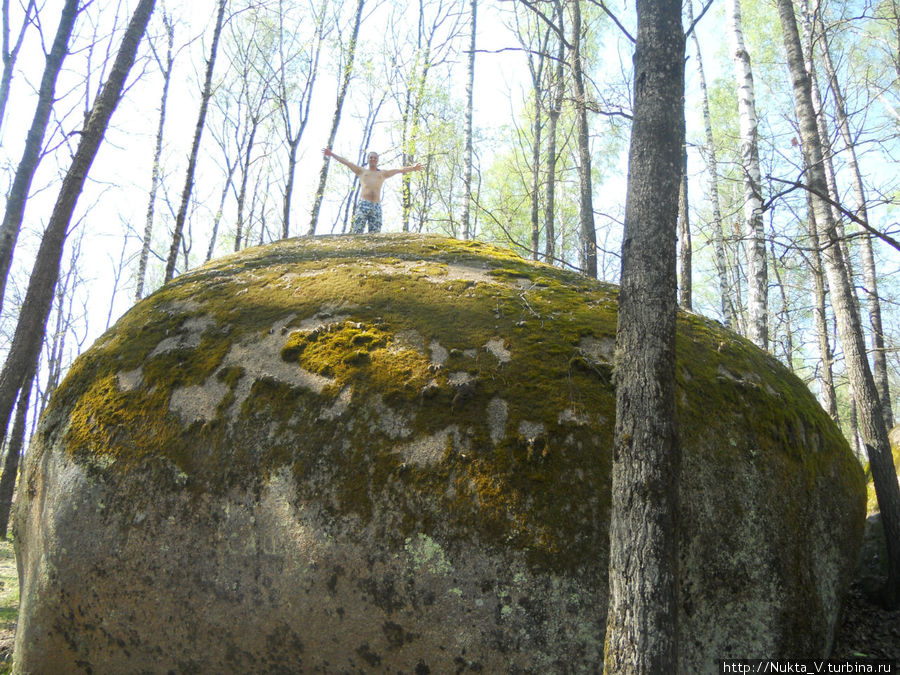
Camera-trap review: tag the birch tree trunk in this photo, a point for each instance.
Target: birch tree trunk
(231, 166)
(346, 75)
(872, 428)
(785, 312)
(166, 69)
(684, 237)
(536, 64)
(536, 176)
(468, 230)
(725, 292)
(587, 248)
(34, 141)
(757, 281)
(588, 237)
(39, 296)
(205, 95)
(827, 396)
(411, 131)
(642, 619)
(553, 114)
(242, 192)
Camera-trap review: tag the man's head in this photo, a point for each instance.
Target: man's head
(372, 159)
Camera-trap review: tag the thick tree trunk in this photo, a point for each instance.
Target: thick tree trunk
(13, 455)
(31, 155)
(873, 301)
(872, 428)
(726, 305)
(467, 228)
(157, 154)
(879, 357)
(39, 297)
(205, 95)
(757, 281)
(336, 118)
(588, 235)
(642, 619)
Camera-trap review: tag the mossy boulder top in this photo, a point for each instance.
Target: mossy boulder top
(392, 453)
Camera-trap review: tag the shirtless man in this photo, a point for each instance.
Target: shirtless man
(371, 178)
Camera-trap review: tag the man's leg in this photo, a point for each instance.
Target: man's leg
(375, 218)
(359, 219)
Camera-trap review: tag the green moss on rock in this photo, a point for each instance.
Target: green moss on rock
(368, 317)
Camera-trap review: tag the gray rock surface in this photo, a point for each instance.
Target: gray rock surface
(391, 454)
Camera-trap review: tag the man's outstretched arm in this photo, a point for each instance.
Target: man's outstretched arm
(403, 169)
(355, 168)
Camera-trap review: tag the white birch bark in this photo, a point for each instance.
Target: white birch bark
(165, 68)
(588, 236)
(725, 291)
(757, 277)
(684, 238)
(553, 114)
(468, 230)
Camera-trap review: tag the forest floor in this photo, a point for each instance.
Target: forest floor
(867, 630)
(9, 603)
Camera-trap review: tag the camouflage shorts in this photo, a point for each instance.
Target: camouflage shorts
(366, 213)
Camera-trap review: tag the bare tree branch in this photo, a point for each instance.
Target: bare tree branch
(549, 22)
(794, 185)
(602, 5)
(703, 11)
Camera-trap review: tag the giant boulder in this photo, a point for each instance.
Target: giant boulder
(391, 453)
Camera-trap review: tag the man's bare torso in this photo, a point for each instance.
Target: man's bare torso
(370, 182)
(371, 178)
